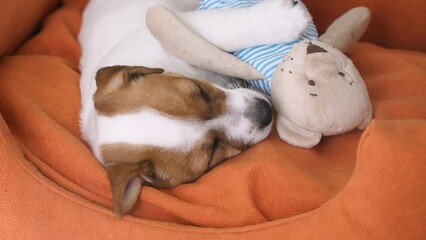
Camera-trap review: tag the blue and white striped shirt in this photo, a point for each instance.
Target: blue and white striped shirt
(264, 58)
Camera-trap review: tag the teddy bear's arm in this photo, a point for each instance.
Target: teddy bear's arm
(295, 135)
(178, 40)
(196, 36)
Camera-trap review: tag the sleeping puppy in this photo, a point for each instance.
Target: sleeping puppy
(146, 115)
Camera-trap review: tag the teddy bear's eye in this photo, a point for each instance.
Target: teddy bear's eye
(312, 82)
(342, 74)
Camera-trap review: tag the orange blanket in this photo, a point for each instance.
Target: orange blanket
(359, 185)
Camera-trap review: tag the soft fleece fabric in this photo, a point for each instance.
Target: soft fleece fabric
(359, 185)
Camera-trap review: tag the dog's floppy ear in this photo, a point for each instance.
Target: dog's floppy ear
(105, 74)
(126, 181)
(134, 73)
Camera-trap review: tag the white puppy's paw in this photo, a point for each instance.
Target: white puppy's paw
(284, 20)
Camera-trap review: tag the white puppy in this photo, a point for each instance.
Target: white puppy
(163, 129)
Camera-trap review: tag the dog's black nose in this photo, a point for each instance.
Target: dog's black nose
(263, 112)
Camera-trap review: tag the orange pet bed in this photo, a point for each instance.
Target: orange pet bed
(358, 185)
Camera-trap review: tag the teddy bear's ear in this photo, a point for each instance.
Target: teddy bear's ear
(347, 29)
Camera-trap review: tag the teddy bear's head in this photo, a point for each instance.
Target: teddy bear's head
(317, 90)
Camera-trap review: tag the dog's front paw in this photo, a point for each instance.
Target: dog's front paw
(285, 20)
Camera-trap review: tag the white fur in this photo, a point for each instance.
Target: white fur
(232, 29)
(137, 128)
(114, 33)
(150, 128)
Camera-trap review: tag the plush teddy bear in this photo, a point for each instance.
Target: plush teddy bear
(316, 90)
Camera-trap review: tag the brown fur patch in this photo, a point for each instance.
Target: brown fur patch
(172, 167)
(123, 89)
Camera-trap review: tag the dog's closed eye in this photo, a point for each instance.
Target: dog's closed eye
(204, 94)
(201, 93)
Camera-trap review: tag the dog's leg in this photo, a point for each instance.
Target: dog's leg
(268, 22)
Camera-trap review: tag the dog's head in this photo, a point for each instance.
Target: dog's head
(164, 129)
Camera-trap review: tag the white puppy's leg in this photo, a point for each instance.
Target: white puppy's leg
(269, 22)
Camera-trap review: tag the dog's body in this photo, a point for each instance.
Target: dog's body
(158, 128)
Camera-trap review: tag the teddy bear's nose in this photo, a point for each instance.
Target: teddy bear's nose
(312, 48)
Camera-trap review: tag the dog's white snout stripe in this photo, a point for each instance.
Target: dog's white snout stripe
(149, 127)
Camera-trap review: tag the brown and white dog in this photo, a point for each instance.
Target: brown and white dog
(158, 124)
